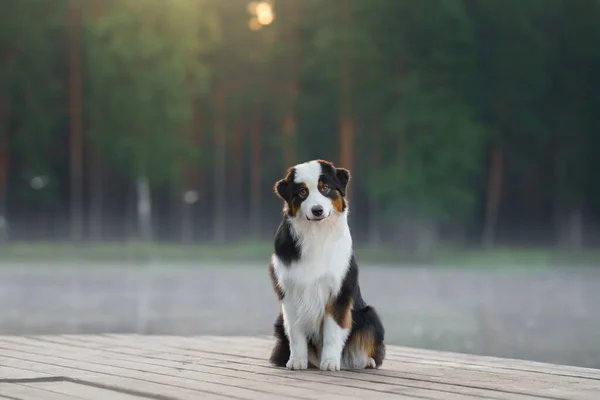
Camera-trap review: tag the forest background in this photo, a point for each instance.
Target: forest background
(469, 126)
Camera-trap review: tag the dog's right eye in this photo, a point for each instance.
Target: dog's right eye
(303, 193)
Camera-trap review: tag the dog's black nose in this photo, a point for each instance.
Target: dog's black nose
(317, 211)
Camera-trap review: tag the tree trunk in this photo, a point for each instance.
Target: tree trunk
(192, 188)
(569, 227)
(346, 120)
(95, 11)
(76, 120)
(220, 166)
(199, 173)
(426, 231)
(96, 198)
(576, 229)
(568, 219)
(290, 124)
(5, 121)
(255, 171)
(144, 208)
(131, 232)
(238, 149)
(237, 213)
(559, 180)
(494, 195)
(568, 211)
(289, 133)
(4, 165)
(187, 227)
(176, 205)
(374, 206)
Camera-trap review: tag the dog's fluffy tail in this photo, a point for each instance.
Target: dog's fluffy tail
(281, 352)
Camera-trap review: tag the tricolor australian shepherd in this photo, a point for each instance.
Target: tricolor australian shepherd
(324, 320)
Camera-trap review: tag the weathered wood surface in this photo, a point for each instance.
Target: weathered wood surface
(129, 367)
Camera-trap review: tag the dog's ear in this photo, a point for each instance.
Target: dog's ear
(282, 189)
(343, 176)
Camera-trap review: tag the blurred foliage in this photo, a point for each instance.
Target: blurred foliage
(145, 67)
(30, 84)
(434, 86)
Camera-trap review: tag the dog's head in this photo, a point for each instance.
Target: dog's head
(314, 190)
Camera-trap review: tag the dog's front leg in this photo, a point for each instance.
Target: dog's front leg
(334, 338)
(336, 328)
(297, 337)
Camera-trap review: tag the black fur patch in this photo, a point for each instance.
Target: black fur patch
(349, 294)
(336, 178)
(283, 187)
(289, 191)
(276, 287)
(286, 247)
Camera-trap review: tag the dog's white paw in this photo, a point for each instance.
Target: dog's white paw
(297, 363)
(330, 364)
(371, 363)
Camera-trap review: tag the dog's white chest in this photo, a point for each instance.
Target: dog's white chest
(308, 302)
(310, 282)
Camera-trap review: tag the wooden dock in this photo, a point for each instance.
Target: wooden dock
(129, 367)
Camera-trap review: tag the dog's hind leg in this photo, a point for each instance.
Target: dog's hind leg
(365, 347)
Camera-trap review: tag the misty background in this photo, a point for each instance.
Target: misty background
(140, 142)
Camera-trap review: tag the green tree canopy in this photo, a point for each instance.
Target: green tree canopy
(145, 64)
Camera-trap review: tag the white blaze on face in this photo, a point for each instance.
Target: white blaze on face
(309, 174)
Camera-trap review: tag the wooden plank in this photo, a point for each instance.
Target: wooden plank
(346, 378)
(71, 390)
(41, 363)
(500, 380)
(446, 393)
(360, 388)
(181, 368)
(426, 386)
(25, 358)
(160, 391)
(10, 372)
(457, 359)
(232, 380)
(343, 389)
(394, 352)
(26, 392)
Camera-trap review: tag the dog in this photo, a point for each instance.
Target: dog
(324, 321)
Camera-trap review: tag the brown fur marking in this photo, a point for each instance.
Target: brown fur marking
(338, 204)
(363, 341)
(341, 315)
(295, 209)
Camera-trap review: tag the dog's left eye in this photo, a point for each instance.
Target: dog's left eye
(324, 188)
